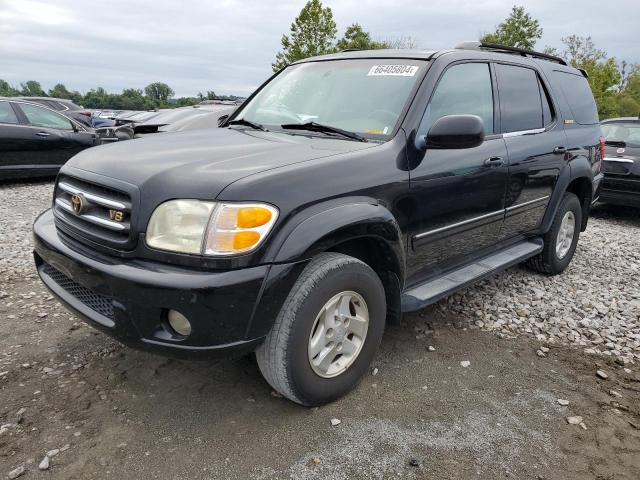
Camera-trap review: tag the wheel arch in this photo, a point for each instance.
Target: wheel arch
(364, 229)
(577, 179)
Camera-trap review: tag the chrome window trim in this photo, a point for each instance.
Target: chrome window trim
(524, 132)
(530, 202)
(105, 202)
(458, 224)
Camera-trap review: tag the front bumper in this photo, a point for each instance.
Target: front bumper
(129, 299)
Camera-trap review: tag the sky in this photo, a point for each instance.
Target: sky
(228, 45)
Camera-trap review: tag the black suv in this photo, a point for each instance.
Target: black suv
(347, 189)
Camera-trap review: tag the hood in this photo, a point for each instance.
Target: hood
(201, 163)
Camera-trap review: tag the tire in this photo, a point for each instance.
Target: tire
(285, 356)
(549, 261)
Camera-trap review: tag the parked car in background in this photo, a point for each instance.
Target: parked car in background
(36, 140)
(206, 118)
(621, 185)
(181, 119)
(64, 106)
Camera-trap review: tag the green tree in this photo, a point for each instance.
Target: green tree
(186, 101)
(355, 38)
(628, 95)
(132, 99)
(7, 90)
(313, 32)
(158, 91)
(98, 98)
(519, 29)
(59, 91)
(32, 88)
(211, 95)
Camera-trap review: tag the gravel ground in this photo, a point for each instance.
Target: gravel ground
(521, 376)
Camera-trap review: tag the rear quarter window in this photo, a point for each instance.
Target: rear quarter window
(578, 94)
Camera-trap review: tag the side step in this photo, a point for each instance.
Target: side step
(440, 287)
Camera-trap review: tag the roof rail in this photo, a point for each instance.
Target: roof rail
(507, 49)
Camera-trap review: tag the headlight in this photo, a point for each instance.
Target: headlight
(179, 225)
(209, 228)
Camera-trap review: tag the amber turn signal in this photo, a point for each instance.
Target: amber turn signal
(251, 217)
(244, 240)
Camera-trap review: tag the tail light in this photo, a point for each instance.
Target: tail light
(603, 150)
(86, 114)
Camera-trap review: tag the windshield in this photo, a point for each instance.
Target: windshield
(628, 133)
(363, 96)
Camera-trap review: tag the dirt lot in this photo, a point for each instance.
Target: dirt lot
(119, 413)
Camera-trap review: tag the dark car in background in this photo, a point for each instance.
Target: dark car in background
(36, 140)
(621, 185)
(71, 110)
(64, 106)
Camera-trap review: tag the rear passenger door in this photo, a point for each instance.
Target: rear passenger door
(536, 146)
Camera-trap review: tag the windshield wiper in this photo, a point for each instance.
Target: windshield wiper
(318, 127)
(242, 121)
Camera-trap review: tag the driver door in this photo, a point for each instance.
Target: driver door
(458, 194)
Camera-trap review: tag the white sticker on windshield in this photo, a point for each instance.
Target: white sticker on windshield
(396, 70)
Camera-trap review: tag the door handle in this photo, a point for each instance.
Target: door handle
(43, 134)
(560, 150)
(493, 162)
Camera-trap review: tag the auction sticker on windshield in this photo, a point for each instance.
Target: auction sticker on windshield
(397, 70)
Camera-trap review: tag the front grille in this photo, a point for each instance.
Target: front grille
(100, 213)
(95, 301)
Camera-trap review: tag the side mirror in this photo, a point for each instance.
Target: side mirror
(222, 119)
(454, 132)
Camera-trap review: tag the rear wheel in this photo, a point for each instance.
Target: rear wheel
(327, 331)
(562, 238)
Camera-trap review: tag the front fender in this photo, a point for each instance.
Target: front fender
(319, 228)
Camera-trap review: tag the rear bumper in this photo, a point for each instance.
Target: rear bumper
(619, 190)
(129, 299)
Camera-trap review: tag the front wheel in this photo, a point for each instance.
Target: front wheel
(327, 331)
(561, 240)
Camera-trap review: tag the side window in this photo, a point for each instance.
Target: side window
(7, 115)
(520, 100)
(463, 89)
(578, 94)
(54, 105)
(42, 117)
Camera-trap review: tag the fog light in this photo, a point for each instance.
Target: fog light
(179, 323)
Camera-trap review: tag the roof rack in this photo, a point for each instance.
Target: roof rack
(507, 49)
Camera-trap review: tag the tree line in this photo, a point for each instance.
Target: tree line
(615, 84)
(154, 95)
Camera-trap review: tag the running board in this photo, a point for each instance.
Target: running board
(440, 287)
